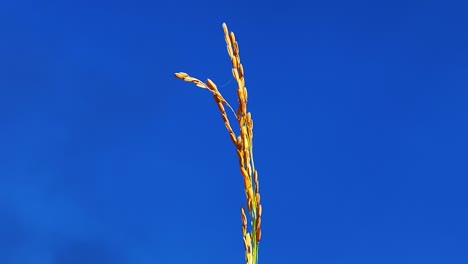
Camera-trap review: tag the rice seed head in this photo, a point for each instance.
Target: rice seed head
(242, 142)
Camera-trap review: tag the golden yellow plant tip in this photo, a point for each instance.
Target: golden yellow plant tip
(181, 75)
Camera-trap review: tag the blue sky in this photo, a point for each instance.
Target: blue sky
(360, 111)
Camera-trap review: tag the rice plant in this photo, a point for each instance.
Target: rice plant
(243, 143)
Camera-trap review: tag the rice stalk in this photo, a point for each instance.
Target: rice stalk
(243, 142)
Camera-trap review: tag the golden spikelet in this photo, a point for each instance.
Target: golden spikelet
(243, 143)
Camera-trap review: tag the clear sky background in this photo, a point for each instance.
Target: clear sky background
(360, 111)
